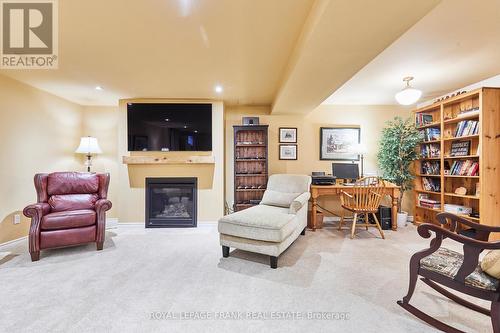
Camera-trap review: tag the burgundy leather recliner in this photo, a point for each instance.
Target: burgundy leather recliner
(70, 210)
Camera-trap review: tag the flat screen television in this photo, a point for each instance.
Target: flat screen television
(169, 127)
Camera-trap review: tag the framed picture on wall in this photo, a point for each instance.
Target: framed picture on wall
(288, 152)
(288, 135)
(337, 143)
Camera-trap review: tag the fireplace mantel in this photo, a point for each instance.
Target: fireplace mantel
(151, 159)
(173, 164)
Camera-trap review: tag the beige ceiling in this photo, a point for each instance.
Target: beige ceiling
(171, 49)
(289, 53)
(342, 37)
(456, 44)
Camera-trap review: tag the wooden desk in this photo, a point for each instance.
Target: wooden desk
(334, 190)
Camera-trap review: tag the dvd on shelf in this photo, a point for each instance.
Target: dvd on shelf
(431, 167)
(431, 185)
(467, 128)
(430, 150)
(464, 168)
(431, 134)
(423, 119)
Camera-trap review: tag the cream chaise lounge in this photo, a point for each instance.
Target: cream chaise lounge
(270, 227)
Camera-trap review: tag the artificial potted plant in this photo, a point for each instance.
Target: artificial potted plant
(397, 151)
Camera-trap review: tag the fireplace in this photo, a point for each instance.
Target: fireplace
(171, 202)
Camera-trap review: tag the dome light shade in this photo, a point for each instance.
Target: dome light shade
(408, 95)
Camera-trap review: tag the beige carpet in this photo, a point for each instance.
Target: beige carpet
(179, 272)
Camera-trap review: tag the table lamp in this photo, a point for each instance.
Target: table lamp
(359, 149)
(88, 146)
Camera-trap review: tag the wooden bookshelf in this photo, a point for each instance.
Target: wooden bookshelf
(250, 165)
(447, 115)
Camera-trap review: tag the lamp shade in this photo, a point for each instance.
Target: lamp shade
(359, 149)
(408, 96)
(88, 145)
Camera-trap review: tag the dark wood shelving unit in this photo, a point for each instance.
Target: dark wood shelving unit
(250, 164)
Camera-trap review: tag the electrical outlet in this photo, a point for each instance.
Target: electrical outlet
(17, 219)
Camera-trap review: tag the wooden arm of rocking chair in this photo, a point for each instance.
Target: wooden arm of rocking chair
(425, 228)
(482, 231)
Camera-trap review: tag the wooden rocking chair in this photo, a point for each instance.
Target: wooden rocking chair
(440, 266)
(364, 198)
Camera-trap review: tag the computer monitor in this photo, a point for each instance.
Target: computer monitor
(345, 170)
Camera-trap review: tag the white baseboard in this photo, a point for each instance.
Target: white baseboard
(141, 224)
(13, 241)
(130, 224)
(112, 223)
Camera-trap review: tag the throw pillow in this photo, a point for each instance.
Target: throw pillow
(276, 198)
(491, 263)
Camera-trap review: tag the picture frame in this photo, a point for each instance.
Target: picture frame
(336, 142)
(288, 152)
(288, 134)
(460, 148)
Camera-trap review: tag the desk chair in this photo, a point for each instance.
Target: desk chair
(363, 198)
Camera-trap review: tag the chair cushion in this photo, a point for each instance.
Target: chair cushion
(66, 202)
(448, 262)
(491, 263)
(72, 183)
(265, 223)
(68, 219)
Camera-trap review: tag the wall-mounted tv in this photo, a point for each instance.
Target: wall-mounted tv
(169, 127)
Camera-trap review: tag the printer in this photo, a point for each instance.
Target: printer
(320, 178)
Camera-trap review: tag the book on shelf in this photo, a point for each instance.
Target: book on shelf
(431, 184)
(457, 209)
(431, 167)
(422, 119)
(465, 168)
(467, 112)
(430, 150)
(467, 128)
(431, 133)
(425, 201)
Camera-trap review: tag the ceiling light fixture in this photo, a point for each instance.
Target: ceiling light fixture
(218, 89)
(408, 95)
(98, 88)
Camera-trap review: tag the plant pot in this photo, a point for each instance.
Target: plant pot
(402, 219)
